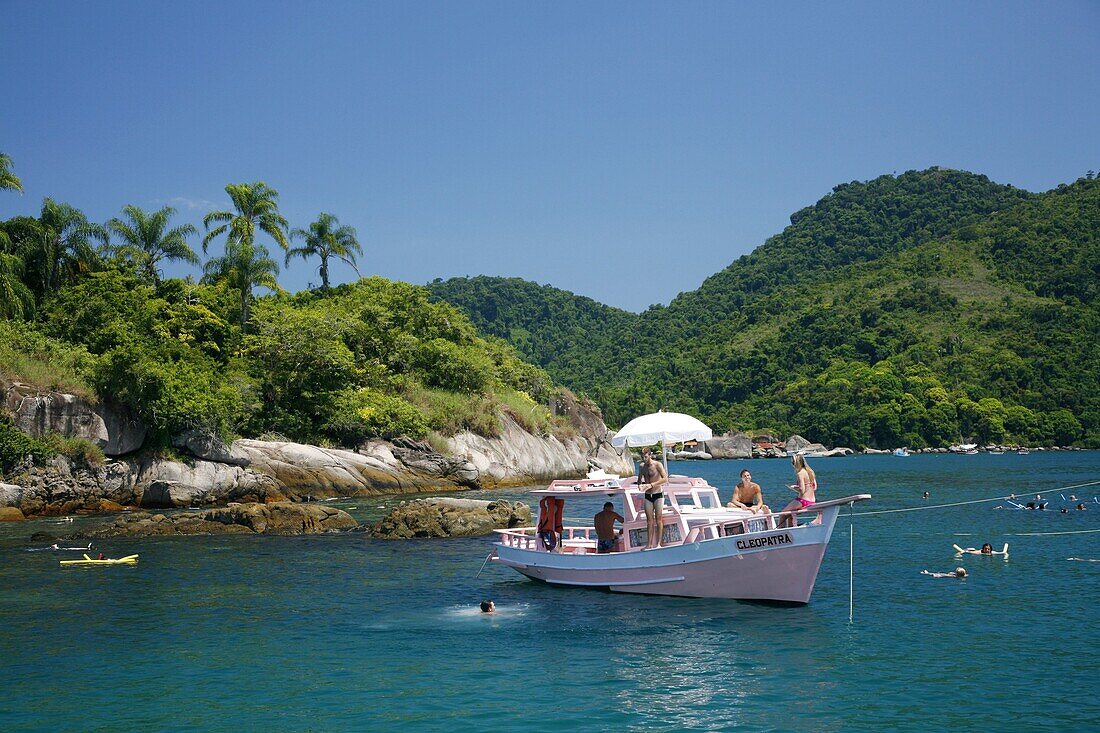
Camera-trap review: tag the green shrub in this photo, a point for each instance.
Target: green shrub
(80, 451)
(16, 446)
(447, 365)
(531, 416)
(367, 413)
(451, 412)
(32, 358)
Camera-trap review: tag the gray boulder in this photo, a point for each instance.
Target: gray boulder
(164, 483)
(113, 429)
(796, 443)
(209, 447)
(736, 445)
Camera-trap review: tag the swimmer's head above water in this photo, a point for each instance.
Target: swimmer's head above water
(488, 606)
(960, 572)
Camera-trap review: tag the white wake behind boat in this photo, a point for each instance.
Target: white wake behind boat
(708, 550)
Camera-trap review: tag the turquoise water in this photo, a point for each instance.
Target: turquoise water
(344, 633)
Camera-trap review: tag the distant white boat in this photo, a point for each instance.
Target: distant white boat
(901, 453)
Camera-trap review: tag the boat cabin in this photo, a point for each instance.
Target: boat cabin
(693, 511)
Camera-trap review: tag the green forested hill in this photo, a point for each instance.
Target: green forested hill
(917, 310)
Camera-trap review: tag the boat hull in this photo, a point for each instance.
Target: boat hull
(772, 565)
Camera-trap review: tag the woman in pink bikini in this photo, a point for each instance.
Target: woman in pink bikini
(806, 488)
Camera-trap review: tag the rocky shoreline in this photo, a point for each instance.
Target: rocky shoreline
(206, 472)
(432, 517)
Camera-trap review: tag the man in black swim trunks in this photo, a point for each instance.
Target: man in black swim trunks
(651, 477)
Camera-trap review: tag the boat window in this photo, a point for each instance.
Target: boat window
(640, 537)
(708, 499)
(685, 500)
(758, 525)
(735, 528)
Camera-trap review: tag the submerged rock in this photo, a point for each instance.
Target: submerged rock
(11, 514)
(280, 518)
(449, 517)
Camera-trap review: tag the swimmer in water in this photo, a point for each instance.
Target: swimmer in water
(987, 549)
(958, 573)
(488, 606)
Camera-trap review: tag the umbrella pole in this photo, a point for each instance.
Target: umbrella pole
(664, 454)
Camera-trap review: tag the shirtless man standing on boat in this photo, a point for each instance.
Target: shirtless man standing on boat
(606, 537)
(747, 495)
(651, 477)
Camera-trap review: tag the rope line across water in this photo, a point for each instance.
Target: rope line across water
(963, 503)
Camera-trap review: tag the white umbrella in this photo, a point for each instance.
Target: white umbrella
(663, 428)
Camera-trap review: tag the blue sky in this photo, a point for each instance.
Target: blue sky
(620, 150)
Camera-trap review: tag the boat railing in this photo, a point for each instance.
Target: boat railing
(811, 515)
(526, 538)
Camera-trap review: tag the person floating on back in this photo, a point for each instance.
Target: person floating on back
(957, 573)
(987, 549)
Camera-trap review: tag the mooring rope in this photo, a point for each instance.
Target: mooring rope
(1008, 498)
(1042, 534)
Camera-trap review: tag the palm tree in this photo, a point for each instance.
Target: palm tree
(256, 208)
(146, 241)
(326, 239)
(15, 299)
(63, 248)
(8, 180)
(243, 266)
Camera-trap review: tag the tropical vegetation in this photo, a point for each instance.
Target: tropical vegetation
(87, 310)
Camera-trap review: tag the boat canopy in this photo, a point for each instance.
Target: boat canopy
(582, 487)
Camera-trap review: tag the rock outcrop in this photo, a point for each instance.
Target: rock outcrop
(451, 517)
(731, 445)
(517, 457)
(114, 430)
(281, 518)
(796, 443)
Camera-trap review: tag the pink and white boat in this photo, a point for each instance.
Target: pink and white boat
(708, 550)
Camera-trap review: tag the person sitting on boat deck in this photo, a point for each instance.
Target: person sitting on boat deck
(488, 606)
(606, 537)
(651, 477)
(100, 557)
(958, 573)
(747, 495)
(806, 489)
